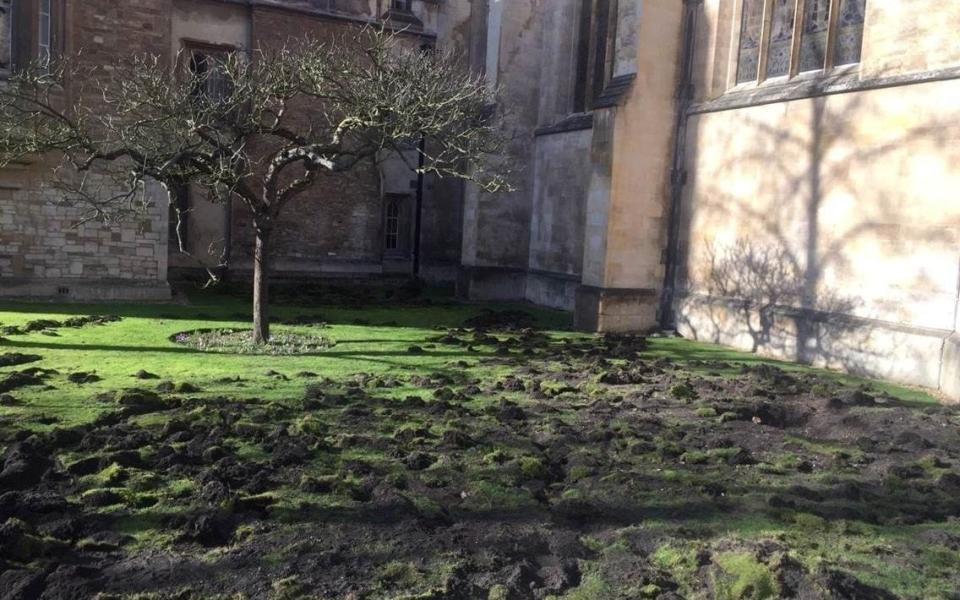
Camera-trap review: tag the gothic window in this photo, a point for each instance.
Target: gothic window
(30, 31)
(750, 29)
(6, 37)
(767, 34)
(397, 226)
(781, 38)
(813, 44)
(850, 32)
(596, 37)
(207, 69)
(392, 225)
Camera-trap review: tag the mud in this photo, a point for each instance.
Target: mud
(580, 466)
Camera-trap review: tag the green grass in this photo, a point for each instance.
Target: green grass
(379, 346)
(668, 479)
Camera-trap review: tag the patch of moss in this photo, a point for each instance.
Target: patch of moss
(578, 472)
(810, 522)
(683, 391)
(742, 577)
(592, 587)
(489, 496)
(496, 457)
(498, 592)
(532, 467)
(401, 574)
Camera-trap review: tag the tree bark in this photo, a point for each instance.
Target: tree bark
(261, 274)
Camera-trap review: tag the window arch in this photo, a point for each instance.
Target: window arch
(397, 227)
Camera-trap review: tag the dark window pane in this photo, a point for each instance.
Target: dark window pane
(392, 226)
(813, 45)
(781, 38)
(6, 41)
(750, 30)
(210, 79)
(850, 32)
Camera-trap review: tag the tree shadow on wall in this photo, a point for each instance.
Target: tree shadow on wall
(783, 274)
(763, 287)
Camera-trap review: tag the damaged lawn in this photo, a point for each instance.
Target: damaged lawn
(423, 449)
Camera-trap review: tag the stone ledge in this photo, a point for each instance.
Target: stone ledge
(83, 290)
(865, 347)
(818, 316)
(576, 122)
(841, 82)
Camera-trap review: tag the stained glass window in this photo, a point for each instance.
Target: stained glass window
(850, 32)
(750, 31)
(781, 38)
(813, 44)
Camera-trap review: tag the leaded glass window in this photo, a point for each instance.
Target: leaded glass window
(813, 44)
(767, 32)
(751, 29)
(781, 38)
(850, 32)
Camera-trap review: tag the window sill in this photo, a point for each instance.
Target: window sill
(405, 17)
(843, 79)
(572, 122)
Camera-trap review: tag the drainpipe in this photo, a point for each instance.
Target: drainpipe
(678, 174)
(418, 218)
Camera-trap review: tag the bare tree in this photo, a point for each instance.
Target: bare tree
(261, 130)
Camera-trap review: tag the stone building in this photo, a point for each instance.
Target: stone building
(359, 224)
(775, 175)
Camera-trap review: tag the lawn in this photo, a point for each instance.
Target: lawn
(416, 447)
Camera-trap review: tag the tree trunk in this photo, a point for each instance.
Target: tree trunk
(261, 274)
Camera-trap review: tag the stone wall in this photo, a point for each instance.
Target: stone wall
(336, 228)
(46, 249)
(561, 179)
(820, 220)
(43, 252)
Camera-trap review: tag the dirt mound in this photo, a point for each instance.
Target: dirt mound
(13, 359)
(50, 325)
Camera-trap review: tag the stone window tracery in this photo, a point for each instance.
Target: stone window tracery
(781, 38)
